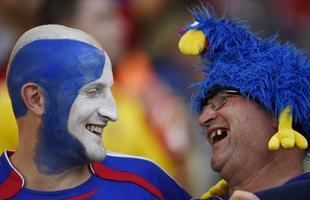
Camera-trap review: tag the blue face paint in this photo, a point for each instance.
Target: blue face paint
(61, 68)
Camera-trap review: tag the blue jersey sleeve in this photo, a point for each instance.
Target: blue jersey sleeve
(170, 189)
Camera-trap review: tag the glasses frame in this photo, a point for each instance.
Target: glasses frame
(225, 94)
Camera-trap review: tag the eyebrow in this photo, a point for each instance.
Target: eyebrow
(91, 85)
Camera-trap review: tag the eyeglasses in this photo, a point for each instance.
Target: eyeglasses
(219, 99)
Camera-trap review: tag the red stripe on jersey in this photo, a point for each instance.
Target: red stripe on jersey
(107, 173)
(11, 186)
(83, 196)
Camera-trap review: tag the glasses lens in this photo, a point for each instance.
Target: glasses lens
(218, 100)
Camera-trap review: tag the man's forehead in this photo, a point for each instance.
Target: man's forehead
(106, 78)
(62, 65)
(107, 74)
(55, 57)
(52, 32)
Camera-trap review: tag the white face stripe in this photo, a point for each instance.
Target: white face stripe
(107, 71)
(107, 75)
(93, 107)
(51, 31)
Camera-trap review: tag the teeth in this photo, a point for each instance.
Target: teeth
(213, 134)
(94, 129)
(217, 133)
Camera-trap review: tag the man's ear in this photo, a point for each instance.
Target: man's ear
(33, 98)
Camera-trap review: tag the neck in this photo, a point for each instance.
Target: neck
(274, 173)
(24, 161)
(36, 180)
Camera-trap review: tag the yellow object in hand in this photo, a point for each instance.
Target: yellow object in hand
(219, 189)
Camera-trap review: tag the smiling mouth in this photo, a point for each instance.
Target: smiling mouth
(218, 135)
(94, 128)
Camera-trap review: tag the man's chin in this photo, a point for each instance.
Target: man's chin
(216, 165)
(96, 154)
(94, 150)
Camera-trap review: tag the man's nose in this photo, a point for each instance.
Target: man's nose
(207, 116)
(108, 109)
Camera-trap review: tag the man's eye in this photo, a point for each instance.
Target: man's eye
(93, 91)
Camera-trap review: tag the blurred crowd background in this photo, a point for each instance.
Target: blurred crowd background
(152, 79)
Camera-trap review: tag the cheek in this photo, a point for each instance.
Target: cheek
(251, 127)
(240, 122)
(82, 109)
(244, 113)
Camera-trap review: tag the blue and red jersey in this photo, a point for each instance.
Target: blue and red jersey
(117, 177)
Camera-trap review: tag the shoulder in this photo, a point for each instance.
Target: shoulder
(149, 171)
(140, 166)
(131, 163)
(297, 188)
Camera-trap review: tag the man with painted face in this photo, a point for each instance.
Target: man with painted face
(254, 108)
(60, 80)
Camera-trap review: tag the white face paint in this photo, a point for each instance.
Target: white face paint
(90, 112)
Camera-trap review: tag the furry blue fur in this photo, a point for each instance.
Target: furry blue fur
(276, 75)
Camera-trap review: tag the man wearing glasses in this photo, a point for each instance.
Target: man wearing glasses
(254, 108)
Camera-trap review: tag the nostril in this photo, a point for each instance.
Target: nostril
(205, 124)
(206, 117)
(110, 114)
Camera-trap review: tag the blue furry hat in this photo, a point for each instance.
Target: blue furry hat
(276, 75)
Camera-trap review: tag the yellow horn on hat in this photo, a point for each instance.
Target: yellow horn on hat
(286, 136)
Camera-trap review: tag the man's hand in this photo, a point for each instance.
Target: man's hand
(242, 195)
